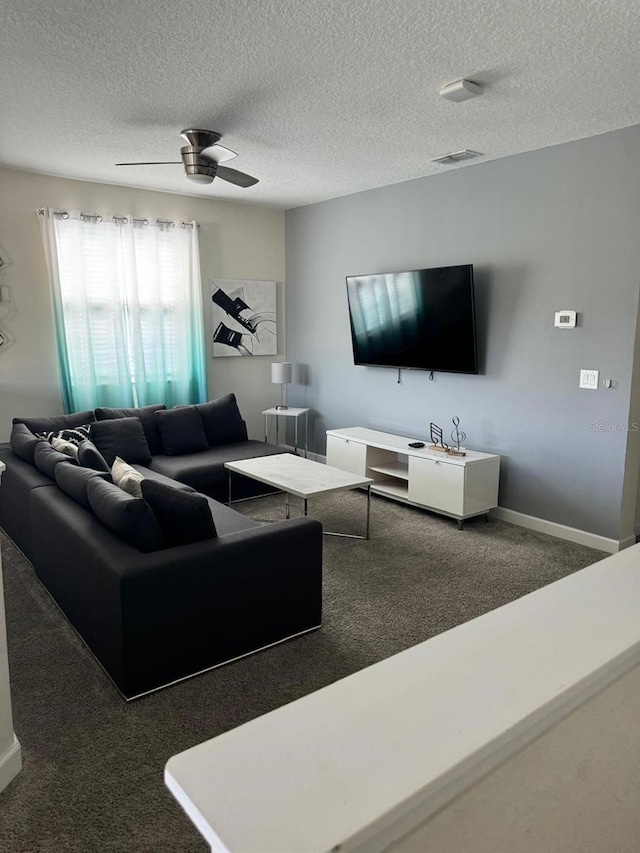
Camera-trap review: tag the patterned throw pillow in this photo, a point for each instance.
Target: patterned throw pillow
(74, 435)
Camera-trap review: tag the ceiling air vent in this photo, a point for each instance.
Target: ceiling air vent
(461, 90)
(456, 157)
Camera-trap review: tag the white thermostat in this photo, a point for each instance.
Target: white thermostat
(565, 319)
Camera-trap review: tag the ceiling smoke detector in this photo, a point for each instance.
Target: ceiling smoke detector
(456, 157)
(461, 90)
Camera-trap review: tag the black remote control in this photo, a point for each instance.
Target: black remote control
(416, 444)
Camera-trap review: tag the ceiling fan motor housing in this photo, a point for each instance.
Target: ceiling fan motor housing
(203, 168)
(200, 138)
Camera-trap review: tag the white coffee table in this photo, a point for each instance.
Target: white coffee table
(303, 478)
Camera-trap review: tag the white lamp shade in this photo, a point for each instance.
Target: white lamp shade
(281, 372)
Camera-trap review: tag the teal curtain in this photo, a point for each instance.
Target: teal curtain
(127, 305)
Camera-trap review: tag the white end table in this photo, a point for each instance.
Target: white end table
(291, 412)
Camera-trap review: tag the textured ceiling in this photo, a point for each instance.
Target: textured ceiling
(319, 99)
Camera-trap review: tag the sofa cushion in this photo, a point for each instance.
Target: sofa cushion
(206, 473)
(73, 480)
(147, 415)
(23, 442)
(181, 430)
(126, 477)
(20, 481)
(129, 518)
(46, 458)
(57, 422)
(184, 517)
(90, 457)
(123, 437)
(222, 421)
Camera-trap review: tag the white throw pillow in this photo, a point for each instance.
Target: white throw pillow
(63, 446)
(126, 477)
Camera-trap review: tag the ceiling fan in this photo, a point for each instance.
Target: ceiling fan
(201, 159)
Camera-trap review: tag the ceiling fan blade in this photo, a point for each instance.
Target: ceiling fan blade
(156, 163)
(240, 179)
(218, 153)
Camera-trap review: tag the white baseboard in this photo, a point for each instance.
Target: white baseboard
(10, 763)
(561, 531)
(315, 457)
(551, 528)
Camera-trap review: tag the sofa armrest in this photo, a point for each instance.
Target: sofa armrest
(151, 619)
(190, 608)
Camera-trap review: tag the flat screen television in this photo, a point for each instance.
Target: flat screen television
(422, 319)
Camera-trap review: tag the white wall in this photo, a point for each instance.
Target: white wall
(10, 753)
(236, 241)
(630, 511)
(573, 790)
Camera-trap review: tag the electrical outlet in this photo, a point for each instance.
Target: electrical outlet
(5, 293)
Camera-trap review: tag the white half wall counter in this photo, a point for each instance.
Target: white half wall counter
(363, 762)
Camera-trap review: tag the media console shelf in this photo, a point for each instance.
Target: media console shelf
(457, 486)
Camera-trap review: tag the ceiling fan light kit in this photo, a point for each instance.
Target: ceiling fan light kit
(461, 90)
(201, 159)
(199, 177)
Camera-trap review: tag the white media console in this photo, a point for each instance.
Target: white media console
(457, 486)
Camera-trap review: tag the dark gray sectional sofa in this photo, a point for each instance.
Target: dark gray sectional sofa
(155, 617)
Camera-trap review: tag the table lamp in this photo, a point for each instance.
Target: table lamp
(281, 375)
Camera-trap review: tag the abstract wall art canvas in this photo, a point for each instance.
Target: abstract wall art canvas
(243, 317)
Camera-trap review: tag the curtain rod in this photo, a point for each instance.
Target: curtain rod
(123, 220)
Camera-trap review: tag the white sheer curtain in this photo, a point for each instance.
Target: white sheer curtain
(127, 304)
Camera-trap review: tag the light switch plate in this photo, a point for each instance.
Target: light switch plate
(589, 379)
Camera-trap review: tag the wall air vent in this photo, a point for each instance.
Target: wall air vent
(456, 157)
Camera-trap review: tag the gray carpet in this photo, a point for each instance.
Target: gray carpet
(93, 765)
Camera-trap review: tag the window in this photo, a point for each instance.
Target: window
(128, 310)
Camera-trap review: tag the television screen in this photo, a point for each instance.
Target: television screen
(416, 319)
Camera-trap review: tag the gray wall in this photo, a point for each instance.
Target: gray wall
(547, 230)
